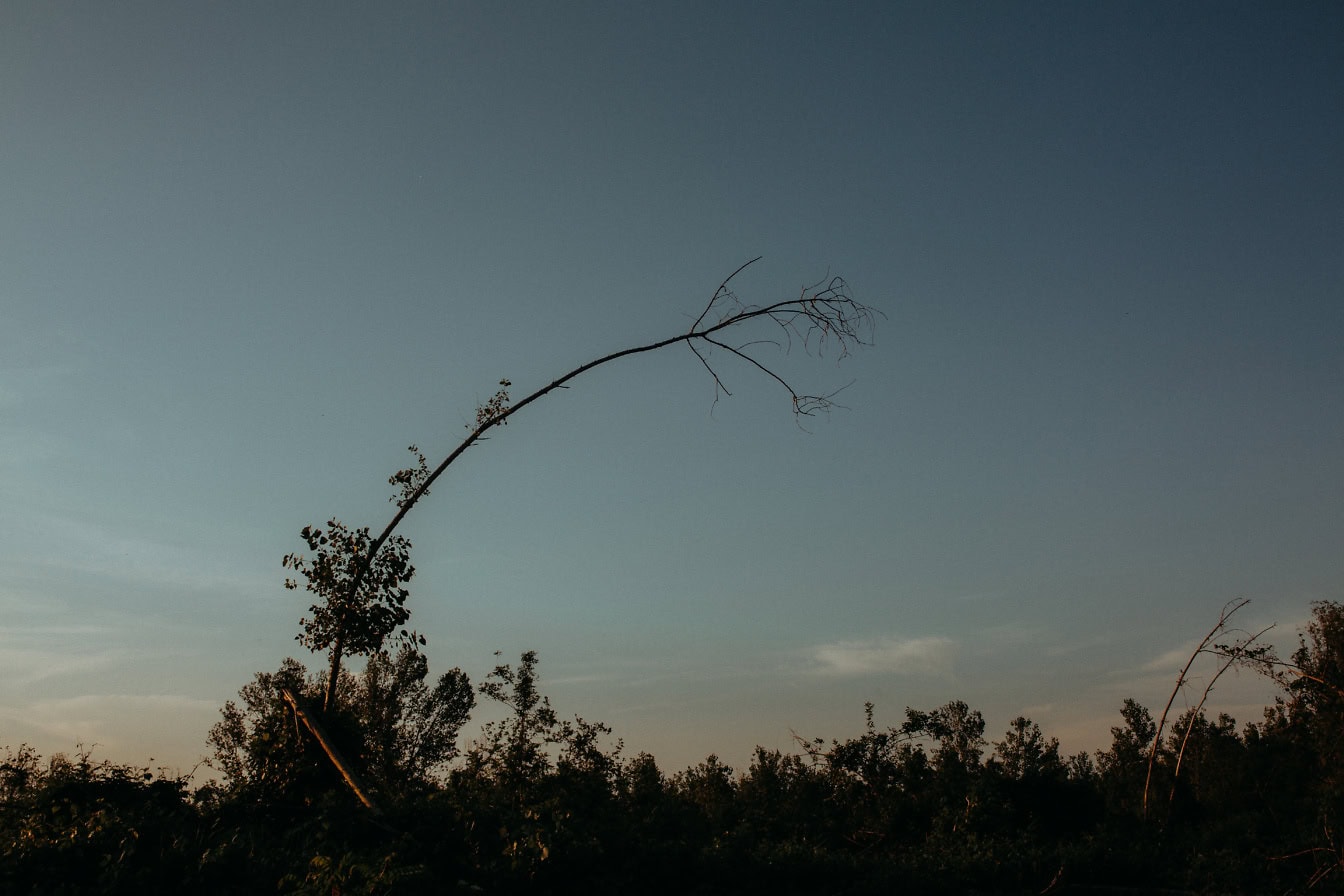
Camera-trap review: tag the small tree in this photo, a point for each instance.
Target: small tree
(1123, 767)
(397, 728)
(958, 730)
(257, 745)
(1316, 675)
(1025, 754)
(514, 751)
(362, 597)
(1314, 716)
(535, 788)
(410, 729)
(958, 734)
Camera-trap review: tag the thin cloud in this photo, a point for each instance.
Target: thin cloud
(1072, 647)
(32, 654)
(113, 721)
(23, 666)
(1153, 681)
(90, 704)
(885, 656)
(1172, 661)
(100, 551)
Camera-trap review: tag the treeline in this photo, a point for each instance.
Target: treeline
(543, 804)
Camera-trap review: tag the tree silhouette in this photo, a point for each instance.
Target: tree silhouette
(1026, 754)
(360, 580)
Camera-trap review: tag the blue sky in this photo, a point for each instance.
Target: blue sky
(249, 252)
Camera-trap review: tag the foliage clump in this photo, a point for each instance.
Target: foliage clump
(358, 620)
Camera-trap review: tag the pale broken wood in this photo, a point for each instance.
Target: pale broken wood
(347, 773)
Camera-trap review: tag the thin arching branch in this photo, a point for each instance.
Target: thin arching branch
(824, 317)
(1239, 651)
(1228, 610)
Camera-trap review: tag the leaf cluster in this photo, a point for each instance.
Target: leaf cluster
(362, 595)
(410, 480)
(495, 409)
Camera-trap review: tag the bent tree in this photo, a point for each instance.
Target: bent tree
(360, 579)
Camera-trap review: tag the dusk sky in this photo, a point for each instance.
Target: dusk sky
(250, 251)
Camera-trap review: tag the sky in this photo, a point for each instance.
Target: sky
(249, 252)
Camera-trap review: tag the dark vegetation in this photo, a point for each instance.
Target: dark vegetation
(539, 803)
(334, 782)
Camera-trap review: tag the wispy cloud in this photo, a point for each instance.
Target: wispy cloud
(981, 596)
(1172, 661)
(1088, 645)
(99, 550)
(1152, 682)
(32, 654)
(104, 718)
(885, 656)
(23, 666)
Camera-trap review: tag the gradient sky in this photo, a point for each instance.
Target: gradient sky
(250, 251)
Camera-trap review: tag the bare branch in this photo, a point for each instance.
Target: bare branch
(757, 364)
(718, 383)
(1232, 655)
(723, 288)
(1229, 609)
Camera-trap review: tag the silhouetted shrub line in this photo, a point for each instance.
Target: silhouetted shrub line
(542, 804)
